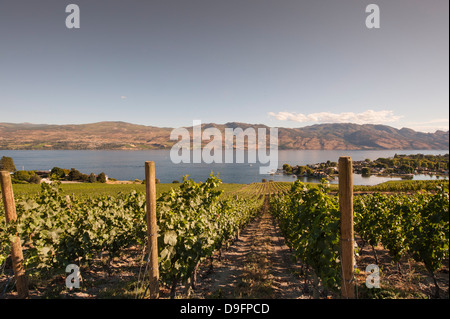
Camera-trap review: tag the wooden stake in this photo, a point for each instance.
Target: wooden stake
(347, 235)
(16, 247)
(150, 188)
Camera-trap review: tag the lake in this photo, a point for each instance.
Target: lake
(129, 165)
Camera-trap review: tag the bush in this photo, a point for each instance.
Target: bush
(22, 175)
(35, 179)
(365, 171)
(92, 178)
(101, 177)
(74, 175)
(57, 173)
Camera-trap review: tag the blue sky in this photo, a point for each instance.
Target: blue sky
(287, 63)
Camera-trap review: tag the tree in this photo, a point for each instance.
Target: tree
(365, 171)
(101, 177)
(301, 170)
(75, 175)
(92, 178)
(287, 168)
(7, 164)
(57, 173)
(407, 169)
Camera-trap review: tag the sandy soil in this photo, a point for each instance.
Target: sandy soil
(257, 265)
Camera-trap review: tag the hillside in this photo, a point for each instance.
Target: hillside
(126, 136)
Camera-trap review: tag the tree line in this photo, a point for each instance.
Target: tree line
(56, 174)
(61, 174)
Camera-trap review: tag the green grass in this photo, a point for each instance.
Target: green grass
(97, 189)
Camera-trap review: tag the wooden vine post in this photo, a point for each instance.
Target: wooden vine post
(347, 234)
(16, 247)
(150, 188)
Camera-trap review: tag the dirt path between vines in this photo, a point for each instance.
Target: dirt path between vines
(257, 265)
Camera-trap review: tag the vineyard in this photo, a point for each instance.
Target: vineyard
(414, 225)
(197, 222)
(193, 222)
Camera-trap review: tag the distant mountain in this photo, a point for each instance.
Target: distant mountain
(126, 136)
(360, 137)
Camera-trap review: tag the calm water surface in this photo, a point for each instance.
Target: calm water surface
(129, 165)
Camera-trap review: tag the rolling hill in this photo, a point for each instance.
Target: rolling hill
(126, 136)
